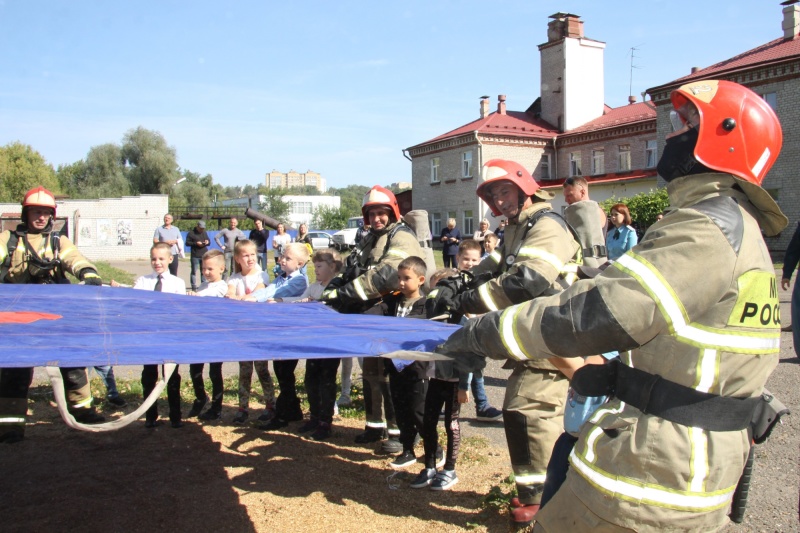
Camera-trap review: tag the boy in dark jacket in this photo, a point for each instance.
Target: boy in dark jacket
(408, 380)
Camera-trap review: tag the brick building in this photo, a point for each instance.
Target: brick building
(567, 131)
(773, 71)
(286, 180)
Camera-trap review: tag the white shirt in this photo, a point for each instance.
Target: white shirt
(247, 284)
(215, 289)
(169, 283)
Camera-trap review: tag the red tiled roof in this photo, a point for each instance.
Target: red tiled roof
(772, 52)
(517, 123)
(619, 116)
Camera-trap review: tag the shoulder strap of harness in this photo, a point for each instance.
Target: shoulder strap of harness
(13, 242)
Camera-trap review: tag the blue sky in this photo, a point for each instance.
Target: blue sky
(338, 87)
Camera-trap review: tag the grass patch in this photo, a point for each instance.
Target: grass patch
(107, 273)
(473, 450)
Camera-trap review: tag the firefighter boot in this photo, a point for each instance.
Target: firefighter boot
(523, 516)
(87, 415)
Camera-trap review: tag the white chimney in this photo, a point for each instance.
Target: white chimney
(791, 22)
(484, 106)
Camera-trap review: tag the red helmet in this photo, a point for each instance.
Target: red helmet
(379, 196)
(496, 170)
(40, 197)
(738, 134)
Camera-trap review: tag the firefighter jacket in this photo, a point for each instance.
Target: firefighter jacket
(378, 256)
(695, 303)
(21, 270)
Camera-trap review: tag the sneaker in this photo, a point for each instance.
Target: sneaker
(370, 435)
(267, 415)
(117, 401)
(322, 432)
(444, 480)
(310, 425)
(344, 401)
(391, 446)
(272, 425)
(423, 479)
(439, 457)
(241, 417)
(490, 414)
(211, 414)
(407, 458)
(197, 407)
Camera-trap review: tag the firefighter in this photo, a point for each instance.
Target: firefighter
(35, 254)
(696, 305)
(539, 255)
(369, 274)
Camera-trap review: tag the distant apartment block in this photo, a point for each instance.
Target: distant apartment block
(286, 180)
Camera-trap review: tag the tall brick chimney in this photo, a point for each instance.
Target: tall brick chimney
(501, 104)
(564, 25)
(791, 22)
(484, 106)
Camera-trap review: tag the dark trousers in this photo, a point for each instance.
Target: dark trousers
(149, 379)
(215, 373)
(321, 387)
(441, 394)
(408, 397)
(449, 261)
(287, 406)
(173, 266)
(558, 466)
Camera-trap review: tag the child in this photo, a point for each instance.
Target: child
(248, 279)
(489, 244)
(408, 380)
(213, 267)
(449, 389)
(469, 255)
(320, 373)
(289, 284)
(161, 281)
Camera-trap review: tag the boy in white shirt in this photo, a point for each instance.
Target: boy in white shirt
(161, 281)
(213, 268)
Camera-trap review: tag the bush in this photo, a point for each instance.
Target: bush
(644, 207)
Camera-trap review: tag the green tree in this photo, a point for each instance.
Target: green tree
(644, 207)
(274, 205)
(326, 217)
(21, 169)
(352, 196)
(152, 165)
(101, 175)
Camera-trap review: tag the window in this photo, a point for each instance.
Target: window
(598, 162)
(651, 154)
(466, 165)
(468, 226)
(451, 214)
(624, 158)
(575, 164)
(435, 170)
(301, 208)
(772, 100)
(436, 224)
(544, 166)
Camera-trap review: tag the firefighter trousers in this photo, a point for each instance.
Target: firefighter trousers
(533, 415)
(377, 397)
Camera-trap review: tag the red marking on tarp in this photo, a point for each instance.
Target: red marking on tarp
(25, 317)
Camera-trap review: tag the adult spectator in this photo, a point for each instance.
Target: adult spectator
(172, 236)
(501, 231)
(623, 237)
(260, 237)
(480, 235)
(280, 240)
(226, 240)
(197, 241)
(790, 261)
(451, 238)
(588, 220)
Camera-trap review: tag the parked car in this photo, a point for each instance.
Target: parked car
(346, 238)
(320, 239)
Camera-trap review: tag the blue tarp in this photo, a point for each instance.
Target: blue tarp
(93, 326)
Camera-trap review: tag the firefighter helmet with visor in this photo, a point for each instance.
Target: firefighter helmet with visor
(379, 196)
(497, 170)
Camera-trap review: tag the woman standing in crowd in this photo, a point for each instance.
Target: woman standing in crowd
(623, 237)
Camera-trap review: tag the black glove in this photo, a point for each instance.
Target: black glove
(596, 380)
(89, 276)
(443, 299)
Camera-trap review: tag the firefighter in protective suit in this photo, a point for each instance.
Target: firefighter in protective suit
(539, 256)
(667, 452)
(369, 274)
(34, 254)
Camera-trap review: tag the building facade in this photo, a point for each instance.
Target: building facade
(287, 180)
(302, 207)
